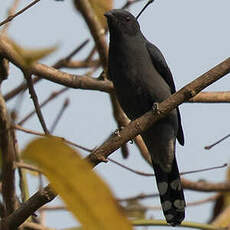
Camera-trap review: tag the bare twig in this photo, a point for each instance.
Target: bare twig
(59, 115)
(211, 97)
(131, 170)
(152, 174)
(204, 186)
(27, 166)
(11, 11)
(53, 95)
(62, 62)
(35, 101)
(96, 30)
(23, 86)
(11, 17)
(18, 127)
(81, 64)
(217, 142)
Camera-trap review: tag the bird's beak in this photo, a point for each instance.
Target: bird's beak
(108, 14)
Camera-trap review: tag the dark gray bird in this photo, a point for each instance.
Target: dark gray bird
(141, 77)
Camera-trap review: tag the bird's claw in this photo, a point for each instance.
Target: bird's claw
(155, 108)
(131, 141)
(117, 131)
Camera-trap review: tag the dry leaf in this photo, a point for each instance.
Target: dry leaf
(99, 7)
(84, 193)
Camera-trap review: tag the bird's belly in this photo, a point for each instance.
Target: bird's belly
(134, 100)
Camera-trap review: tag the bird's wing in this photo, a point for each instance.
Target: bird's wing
(161, 66)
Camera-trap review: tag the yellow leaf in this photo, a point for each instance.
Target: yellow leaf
(84, 193)
(99, 7)
(31, 55)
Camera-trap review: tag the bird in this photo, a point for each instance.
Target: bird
(141, 79)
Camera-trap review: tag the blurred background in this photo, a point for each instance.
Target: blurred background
(193, 36)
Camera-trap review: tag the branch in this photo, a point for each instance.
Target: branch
(96, 30)
(82, 82)
(52, 96)
(18, 127)
(183, 224)
(59, 115)
(8, 157)
(203, 186)
(11, 17)
(148, 119)
(211, 97)
(11, 11)
(29, 207)
(35, 101)
(58, 64)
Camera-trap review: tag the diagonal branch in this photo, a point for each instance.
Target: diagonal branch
(148, 119)
(11, 17)
(35, 101)
(29, 207)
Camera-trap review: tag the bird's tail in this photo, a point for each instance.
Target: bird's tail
(171, 193)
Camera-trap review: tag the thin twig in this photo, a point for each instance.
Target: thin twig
(217, 142)
(20, 128)
(131, 170)
(62, 62)
(27, 166)
(11, 17)
(152, 174)
(35, 101)
(53, 95)
(59, 115)
(11, 11)
(96, 30)
(23, 86)
(129, 3)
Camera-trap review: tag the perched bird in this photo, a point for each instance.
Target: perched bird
(141, 77)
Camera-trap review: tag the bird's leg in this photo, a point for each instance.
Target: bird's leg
(155, 108)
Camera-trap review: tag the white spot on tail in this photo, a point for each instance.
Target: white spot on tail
(163, 187)
(180, 204)
(166, 205)
(169, 217)
(176, 185)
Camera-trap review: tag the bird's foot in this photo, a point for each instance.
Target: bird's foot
(117, 131)
(131, 141)
(155, 108)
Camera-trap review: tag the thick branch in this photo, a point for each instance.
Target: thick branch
(29, 207)
(144, 122)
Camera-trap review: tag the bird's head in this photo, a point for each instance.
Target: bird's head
(122, 22)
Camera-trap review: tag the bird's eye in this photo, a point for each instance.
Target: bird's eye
(127, 18)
